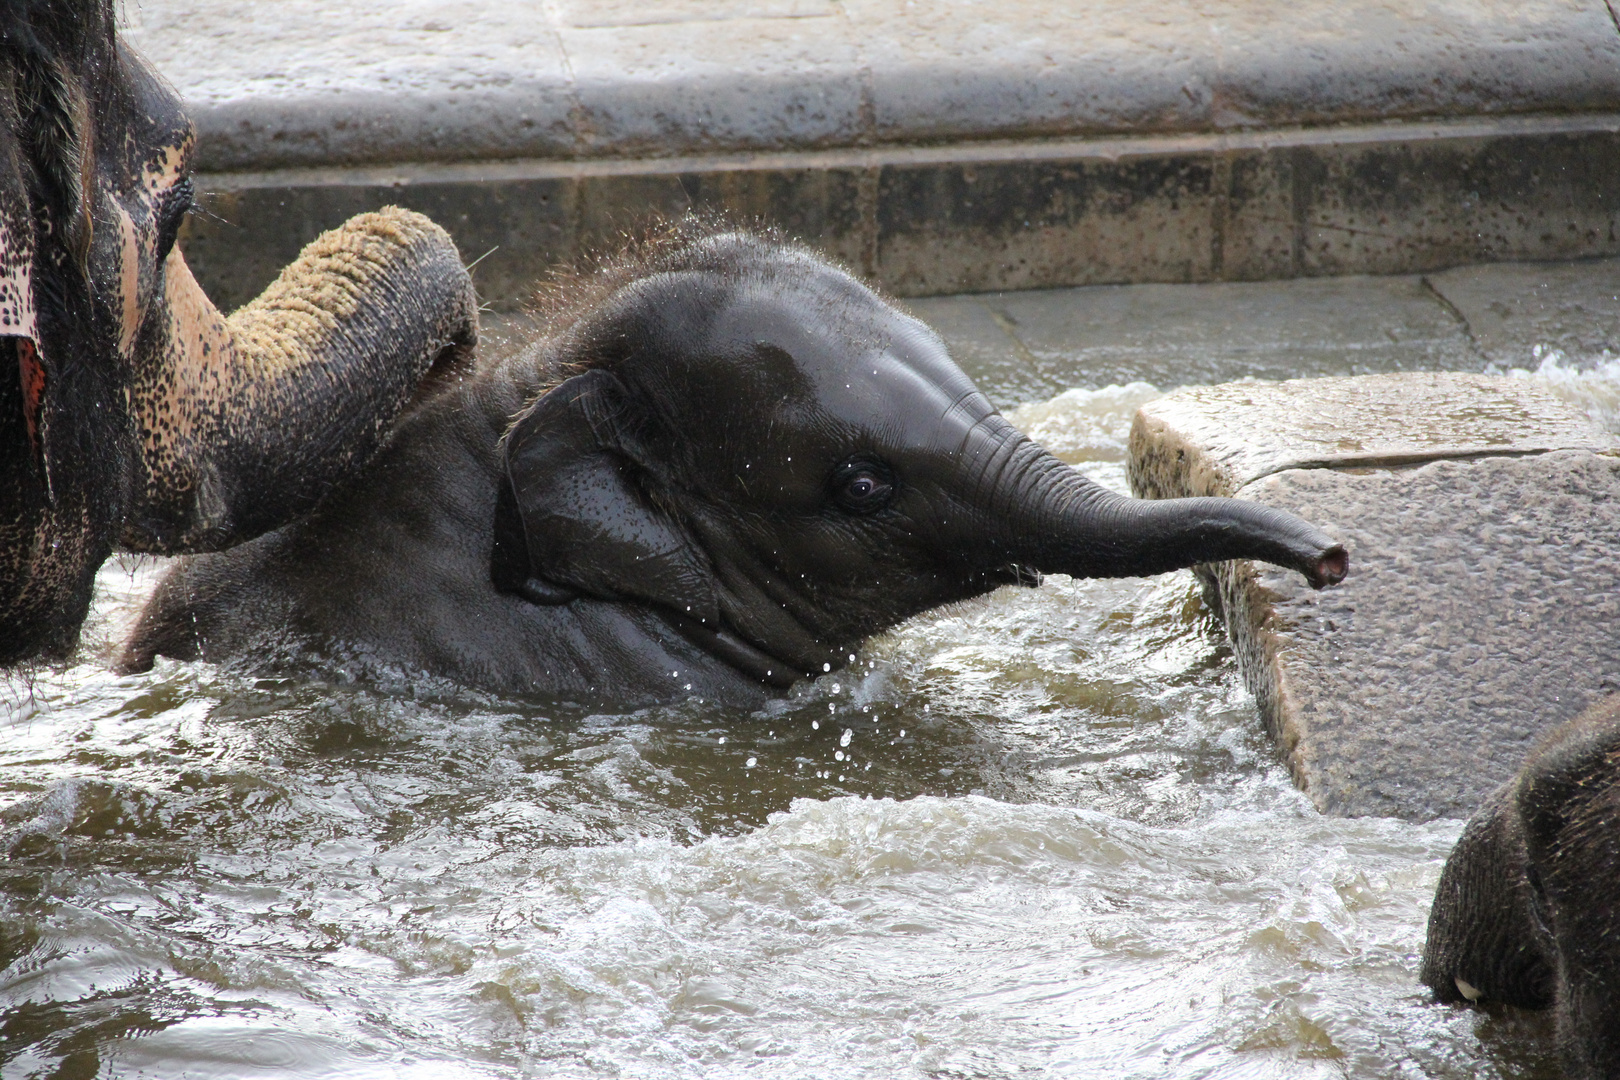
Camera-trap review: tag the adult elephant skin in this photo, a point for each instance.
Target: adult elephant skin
(132, 413)
(727, 465)
(1528, 907)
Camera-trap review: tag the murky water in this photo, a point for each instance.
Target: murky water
(1036, 835)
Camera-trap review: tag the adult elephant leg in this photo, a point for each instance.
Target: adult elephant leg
(247, 422)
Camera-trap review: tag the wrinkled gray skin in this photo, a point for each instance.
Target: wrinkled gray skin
(751, 463)
(1528, 907)
(133, 414)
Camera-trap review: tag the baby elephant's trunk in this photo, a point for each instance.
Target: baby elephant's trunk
(1059, 521)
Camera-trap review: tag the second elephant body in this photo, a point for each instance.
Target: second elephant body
(1527, 911)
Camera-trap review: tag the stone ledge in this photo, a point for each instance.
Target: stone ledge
(973, 146)
(275, 83)
(1483, 594)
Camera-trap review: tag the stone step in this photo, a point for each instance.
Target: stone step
(308, 83)
(934, 148)
(1481, 514)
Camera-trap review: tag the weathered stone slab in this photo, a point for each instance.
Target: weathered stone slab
(1315, 202)
(1512, 308)
(1215, 440)
(753, 80)
(897, 216)
(1484, 589)
(271, 82)
(951, 218)
(517, 223)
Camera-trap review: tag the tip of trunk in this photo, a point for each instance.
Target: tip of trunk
(1328, 568)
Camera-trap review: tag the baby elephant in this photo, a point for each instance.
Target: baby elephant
(1528, 907)
(727, 465)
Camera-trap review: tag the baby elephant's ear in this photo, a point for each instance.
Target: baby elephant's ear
(583, 522)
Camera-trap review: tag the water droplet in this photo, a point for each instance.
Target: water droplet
(826, 667)
(752, 762)
(815, 724)
(838, 755)
(722, 740)
(848, 735)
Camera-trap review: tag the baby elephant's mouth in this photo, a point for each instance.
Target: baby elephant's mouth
(724, 643)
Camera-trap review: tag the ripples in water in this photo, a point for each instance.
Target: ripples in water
(1040, 834)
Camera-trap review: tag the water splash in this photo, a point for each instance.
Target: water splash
(1590, 383)
(1085, 425)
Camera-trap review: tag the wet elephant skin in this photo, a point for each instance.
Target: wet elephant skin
(727, 465)
(1527, 911)
(132, 413)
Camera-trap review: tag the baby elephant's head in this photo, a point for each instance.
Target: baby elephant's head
(762, 447)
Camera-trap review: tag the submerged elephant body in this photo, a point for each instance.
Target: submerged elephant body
(1527, 911)
(394, 578)
(726, 466)
(132, 413)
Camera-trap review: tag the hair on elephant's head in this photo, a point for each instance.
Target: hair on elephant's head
(1527, 911)
(131, 412)
(728, 457)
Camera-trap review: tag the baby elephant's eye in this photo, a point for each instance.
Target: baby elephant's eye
(862, 486)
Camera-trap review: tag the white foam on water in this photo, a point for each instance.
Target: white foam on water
(1590, 383)
(868, 937)
(1085, 425)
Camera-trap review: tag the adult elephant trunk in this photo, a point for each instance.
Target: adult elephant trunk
(246, 422)
(1051, 518)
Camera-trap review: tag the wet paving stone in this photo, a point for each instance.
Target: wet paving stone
(1518, 311)
(1029, 346)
